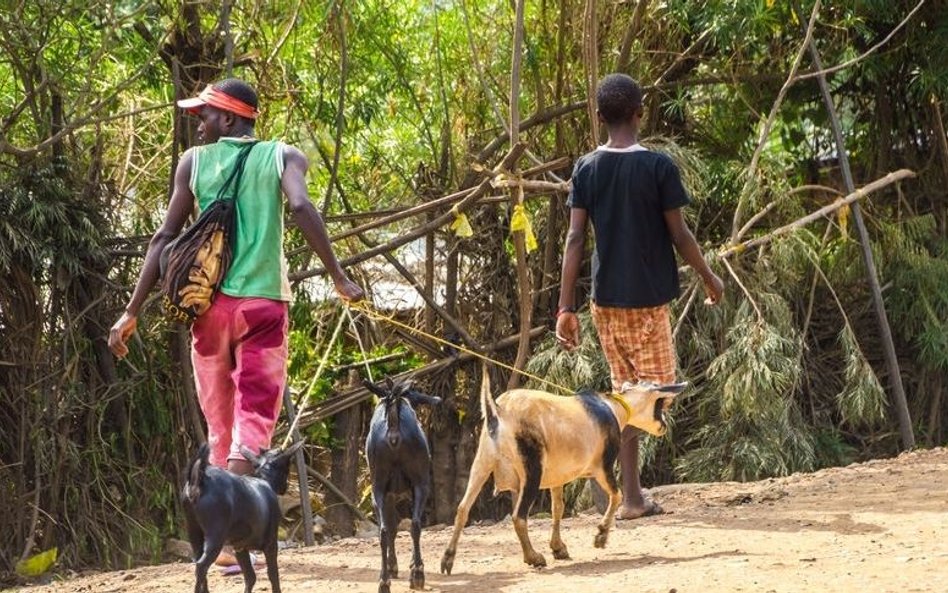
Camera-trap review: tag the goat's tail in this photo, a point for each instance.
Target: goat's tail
(199, 463)
(489, 409)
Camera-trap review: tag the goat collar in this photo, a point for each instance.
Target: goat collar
(617, 397)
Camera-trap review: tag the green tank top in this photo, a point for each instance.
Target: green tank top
(258, 268)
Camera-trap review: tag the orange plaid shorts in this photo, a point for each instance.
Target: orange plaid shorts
(637, 343)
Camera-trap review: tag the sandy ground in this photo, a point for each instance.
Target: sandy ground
(874, 527)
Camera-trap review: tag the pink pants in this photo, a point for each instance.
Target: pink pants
(239, 352)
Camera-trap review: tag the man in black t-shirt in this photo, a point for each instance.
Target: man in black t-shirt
(633, 197)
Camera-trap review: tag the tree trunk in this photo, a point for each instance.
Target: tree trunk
(445, 438)
(344, 472)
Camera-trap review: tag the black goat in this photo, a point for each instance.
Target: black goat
(225, 508)
(399, 466)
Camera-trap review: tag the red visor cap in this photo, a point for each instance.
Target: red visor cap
(221, 100)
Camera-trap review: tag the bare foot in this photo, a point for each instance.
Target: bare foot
(229, 565)
(650, 508)
(226, 558)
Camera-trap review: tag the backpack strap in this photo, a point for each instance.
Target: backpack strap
(236, 173)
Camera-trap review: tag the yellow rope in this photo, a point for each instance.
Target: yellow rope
(621, 401)
(304, 399)
(365, 308)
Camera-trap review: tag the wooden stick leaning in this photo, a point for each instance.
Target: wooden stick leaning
(515, 152)
(856, 195)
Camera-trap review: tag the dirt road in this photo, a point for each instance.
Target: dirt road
(876, 527)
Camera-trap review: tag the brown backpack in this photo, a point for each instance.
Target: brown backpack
(195, 263)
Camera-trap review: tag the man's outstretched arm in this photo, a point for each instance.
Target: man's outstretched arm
(311, 223)
(567, 325)
(688, 249)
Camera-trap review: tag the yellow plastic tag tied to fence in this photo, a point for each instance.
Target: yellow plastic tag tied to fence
(461, 226)
(843, 216)
(521, 222)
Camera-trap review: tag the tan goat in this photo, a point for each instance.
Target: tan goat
(532, 440)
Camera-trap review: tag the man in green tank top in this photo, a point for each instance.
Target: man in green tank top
(240, 344)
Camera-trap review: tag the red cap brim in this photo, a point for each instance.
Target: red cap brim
(192, 104)
(219, 99)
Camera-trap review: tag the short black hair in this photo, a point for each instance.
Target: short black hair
(618, 98)
(238, 89)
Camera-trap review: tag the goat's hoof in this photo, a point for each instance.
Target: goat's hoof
(417, 579)
(535, 560)
(384, 588)
(561, 554)
(447, 562)
(601, 539)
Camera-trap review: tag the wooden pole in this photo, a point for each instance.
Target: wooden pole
(516, 200)
(872, 277)
(344, 466)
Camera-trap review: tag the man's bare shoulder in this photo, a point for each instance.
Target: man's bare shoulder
(294, 155)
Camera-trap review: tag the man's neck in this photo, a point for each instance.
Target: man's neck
(622, 137)
(241, 132)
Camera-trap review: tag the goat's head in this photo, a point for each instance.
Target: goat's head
(391, 393)
(394, 397)
(272, 465)
(647, 404)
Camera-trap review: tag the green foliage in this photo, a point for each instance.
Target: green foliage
(310, 333)
(43, 226)
(918, 267)
(862, 401)
(584, 368)
(750, 426)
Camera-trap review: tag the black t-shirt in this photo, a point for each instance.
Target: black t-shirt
(625, 193)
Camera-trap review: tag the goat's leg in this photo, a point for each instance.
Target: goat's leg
(195, 536)
(525, 499)
(246, 567)
(556, 543)
(385, 527)
(391, 520)
(273, 572)
(417, 572)
(211, 549)
(480, 471)
(531, 459)
(606, 478)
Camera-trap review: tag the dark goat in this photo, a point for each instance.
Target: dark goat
(225, 508)
(399, 466)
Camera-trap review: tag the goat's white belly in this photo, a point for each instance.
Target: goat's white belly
(562, 469)
(558, 468)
